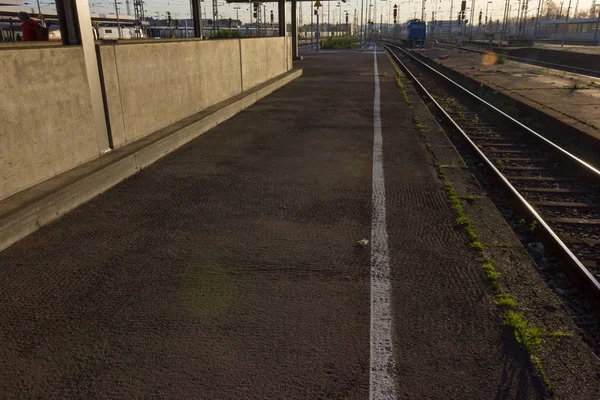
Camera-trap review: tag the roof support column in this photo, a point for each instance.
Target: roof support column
(68, 23)
(281, 15)
(76, 29)
(196, 16)
(295, 55)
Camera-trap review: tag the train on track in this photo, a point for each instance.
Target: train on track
(412, 33)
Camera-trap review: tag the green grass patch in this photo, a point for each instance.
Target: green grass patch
(536, 361)
(227, 33)
(401, 86)
(533, 226)
(491, 275)
(530, 337)
(477, 246)
(399, 81)
(339, 42)
(462, 220)
(395, 65)
(559, 334)
(504, 300)
(399, 76)
(473, 237)
(451, 165)
(470, 198)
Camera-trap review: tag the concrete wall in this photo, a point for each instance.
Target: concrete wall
(263, 59)
(152, 85)
(46, 120)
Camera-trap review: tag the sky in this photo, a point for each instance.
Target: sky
(407, 8)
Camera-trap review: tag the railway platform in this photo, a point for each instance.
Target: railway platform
(306, 248)
(570, 48)
(571, 98)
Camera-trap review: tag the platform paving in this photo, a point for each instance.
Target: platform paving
(231, 268)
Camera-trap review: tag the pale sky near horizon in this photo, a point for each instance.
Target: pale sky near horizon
(407, 8)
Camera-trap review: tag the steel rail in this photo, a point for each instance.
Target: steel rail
(580, 268)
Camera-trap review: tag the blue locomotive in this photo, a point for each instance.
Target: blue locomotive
(412, 33)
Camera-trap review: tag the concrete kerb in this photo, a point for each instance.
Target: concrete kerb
(29, 210)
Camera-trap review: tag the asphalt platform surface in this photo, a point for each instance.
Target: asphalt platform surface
(231, 268)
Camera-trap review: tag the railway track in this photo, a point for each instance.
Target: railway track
(582, 71)
(559, 191)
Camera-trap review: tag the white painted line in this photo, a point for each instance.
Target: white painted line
(381, 379)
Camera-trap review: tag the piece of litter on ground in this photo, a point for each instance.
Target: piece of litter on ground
(537, 247)
(363, 242)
